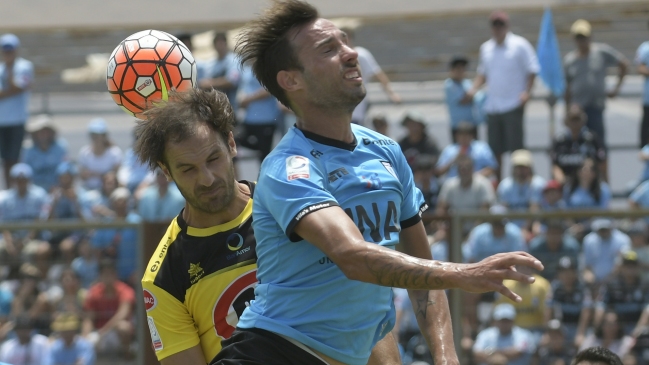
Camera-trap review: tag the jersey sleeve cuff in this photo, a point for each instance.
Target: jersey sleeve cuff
(414, 219)
(292, 236)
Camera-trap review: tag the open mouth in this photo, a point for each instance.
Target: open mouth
(353, 75)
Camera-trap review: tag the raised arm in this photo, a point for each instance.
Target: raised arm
(331, 230)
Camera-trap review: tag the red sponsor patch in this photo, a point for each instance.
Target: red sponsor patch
(149, 300)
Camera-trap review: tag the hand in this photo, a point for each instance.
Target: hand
(525, 97)
(244, 102)
(613, 93)
(579, 339)
(395, 98)
(488, 274)
(468, 97)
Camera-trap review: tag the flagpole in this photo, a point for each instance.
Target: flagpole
(552, 101)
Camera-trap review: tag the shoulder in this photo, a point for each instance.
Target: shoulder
(161, 252)
(37, 191)
(506, 183)
(537, 244)
(518, 40)
(512, 229)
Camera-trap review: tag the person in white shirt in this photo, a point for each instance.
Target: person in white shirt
(370, 70)
(99, 157)
(27, 347)
(508, 66)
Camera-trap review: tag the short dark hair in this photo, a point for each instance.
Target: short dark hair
(220, 36)
(176, 119)
(107, 264)
(265, 42)
(597, 354)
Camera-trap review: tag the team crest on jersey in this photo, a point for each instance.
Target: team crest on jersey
(195, 272)
(297, 167)
(230, 305)
(150, 301)
(388, 166)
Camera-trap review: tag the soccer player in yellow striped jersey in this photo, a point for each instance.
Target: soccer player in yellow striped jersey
(203, 273)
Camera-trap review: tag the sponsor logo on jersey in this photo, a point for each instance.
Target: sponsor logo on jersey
(372, 181)
(234, 241)
(297, 167)
(316, 153)
(155, 335)
(337, 174)
(230, 305)
(388, 166)
(310, 209)
(195, 272)
(150, 301)
(378, 224)
(379, 142)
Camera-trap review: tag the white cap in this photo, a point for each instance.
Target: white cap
(21, 170)
(40, 122)
(9, 42)
(97, 126)
(504, 311)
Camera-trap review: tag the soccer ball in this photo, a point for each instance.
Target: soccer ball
(145, 66)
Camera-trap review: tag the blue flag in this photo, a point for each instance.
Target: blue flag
(549, 55)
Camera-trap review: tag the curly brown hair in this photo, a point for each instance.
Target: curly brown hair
(177, 119)
(266, 44)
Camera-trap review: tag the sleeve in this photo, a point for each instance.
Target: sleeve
(24, 76)
(605, 196)
(447, 156)
(611, 55)
(481, 341)
(531, 61)
(639, 192)
(232, 74)
(170, 320)
(481, 69)
(368, 62)
(413, 204)
(298, 184)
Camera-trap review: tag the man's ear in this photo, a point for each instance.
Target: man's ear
(165, 171)
(289, 80)
(232, 145)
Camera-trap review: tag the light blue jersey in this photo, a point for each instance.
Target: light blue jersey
(302, 294)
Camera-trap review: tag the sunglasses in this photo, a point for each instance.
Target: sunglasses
(497, 23)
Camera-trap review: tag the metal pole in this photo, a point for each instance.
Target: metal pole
(455, 255)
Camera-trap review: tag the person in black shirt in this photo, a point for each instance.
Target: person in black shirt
(571, 149)
(571, 300)
(554, 349)
(417, 141)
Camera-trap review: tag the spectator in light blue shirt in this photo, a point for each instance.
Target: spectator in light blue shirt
(455, 88)
(161, 201)
(587, 191)
(46, 152)
(25, 201)
(120, 243)
(131, 172)
(601, 249)
(70, 348)
(16, 77)
(222, 72)
(639, 198)
(504, 342)
(493, 237)
(522, 191)
(642, 61)
(483, 158)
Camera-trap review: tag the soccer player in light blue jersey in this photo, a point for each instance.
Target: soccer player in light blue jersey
(332, 201)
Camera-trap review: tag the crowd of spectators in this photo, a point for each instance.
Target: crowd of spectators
(66, 296)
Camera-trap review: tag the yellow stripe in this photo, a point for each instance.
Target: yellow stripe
(204, 232)
(163, 86)
(229, 268)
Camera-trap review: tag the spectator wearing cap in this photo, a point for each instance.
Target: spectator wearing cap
(642, 62)
(455, 88)
(552, 197)
(497, 235)
(425, 179)
(504, 342)
(570, 149)
(132, 172)
(555, 347)
(601, 248)
(484, 162)
(637, 231)
(119, 243)
(417, 141)
(571, 300)
(532, 311)
(466, 192)
(522, 190)
(553, 245)
(508, 66)
(108, 309)
(69, 348)
(27, 347)
(161, 201)
(46, 152)
(99, 157)
(16, 78)
(586, 69)
(370, 70)
(624, 294)
(68, 199)
(587, 190)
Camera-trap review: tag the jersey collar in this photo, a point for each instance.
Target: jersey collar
(329, 141)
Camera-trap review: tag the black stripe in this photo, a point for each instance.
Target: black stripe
(414, 219)
(304, 212)
(330, 141)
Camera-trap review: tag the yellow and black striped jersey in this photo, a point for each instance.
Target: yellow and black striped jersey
(198, 282)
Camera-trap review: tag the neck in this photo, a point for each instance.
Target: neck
(327, 123)
(465, 183)
(22, 192)
(98, 149)
(585, 50)
(200, 219)
(584, 184)
(414, 138)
